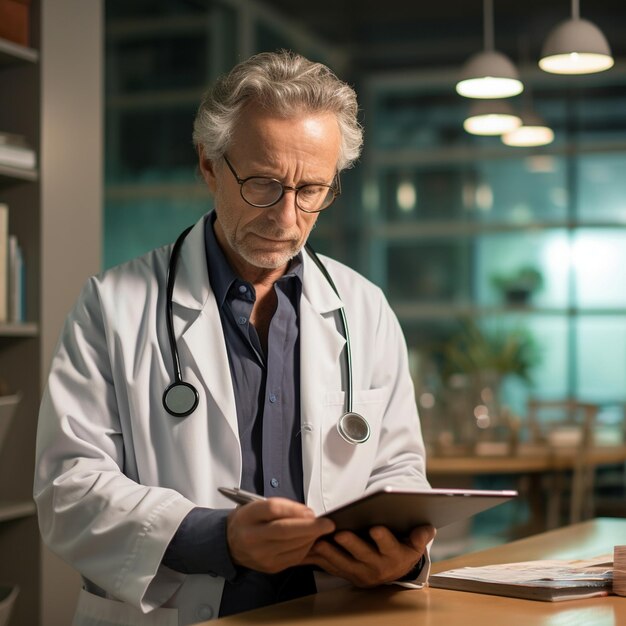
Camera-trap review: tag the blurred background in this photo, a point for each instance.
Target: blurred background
(453, 226)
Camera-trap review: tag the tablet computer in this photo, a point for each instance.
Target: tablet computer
(401, 510)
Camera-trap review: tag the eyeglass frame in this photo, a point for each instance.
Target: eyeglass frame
(335, 189)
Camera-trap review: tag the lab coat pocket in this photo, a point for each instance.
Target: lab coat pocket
(93, 610)
(346, 467)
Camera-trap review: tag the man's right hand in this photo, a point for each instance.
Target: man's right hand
(274, 534)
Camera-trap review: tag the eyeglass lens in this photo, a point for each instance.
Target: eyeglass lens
(265, 192)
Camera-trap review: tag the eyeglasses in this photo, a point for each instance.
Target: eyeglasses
(263, 192)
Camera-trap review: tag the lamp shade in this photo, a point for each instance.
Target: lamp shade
(532, 132)
(491, 117)
(576, 47)
(489, 74)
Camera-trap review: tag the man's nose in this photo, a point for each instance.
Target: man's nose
(285, 211)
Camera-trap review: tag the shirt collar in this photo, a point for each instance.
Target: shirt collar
(221, 273)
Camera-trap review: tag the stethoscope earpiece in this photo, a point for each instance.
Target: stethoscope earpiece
(181, 399)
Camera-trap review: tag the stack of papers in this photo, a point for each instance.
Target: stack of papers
(549, 580)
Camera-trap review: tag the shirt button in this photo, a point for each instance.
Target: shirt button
(274, 482)
(242, 289)
(272, 397)
(204, 612)
(242, 320)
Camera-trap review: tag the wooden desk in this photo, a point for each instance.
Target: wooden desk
(532, 461)
(390, 606)
(529, 460)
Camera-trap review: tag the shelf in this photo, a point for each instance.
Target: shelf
(403, 157)
(16, 510)
(25, 329)
(13, 53)
(414, 312)
(160, 191)
(411, 230)
(12, 174)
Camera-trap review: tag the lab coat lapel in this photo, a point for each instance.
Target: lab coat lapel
(321, 344)
(196, 315)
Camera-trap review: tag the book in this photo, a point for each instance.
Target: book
(547, 580)
(4, 258)
(8, 404)
(16, 281)
(15, 152)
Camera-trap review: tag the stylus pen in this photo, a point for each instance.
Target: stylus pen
(240, 496)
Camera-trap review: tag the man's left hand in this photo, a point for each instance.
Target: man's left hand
(370, 563)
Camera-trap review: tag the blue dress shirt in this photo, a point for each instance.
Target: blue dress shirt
(267, 398)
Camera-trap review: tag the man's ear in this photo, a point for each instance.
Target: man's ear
(207, 169)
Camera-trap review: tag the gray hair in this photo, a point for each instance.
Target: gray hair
(284, 83)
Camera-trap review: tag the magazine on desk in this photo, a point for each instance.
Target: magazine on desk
(548, 580)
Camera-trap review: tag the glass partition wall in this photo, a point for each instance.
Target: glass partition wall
(476, 242)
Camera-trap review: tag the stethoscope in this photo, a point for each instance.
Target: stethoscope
(180, 399)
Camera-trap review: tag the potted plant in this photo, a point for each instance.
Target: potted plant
(518, 286)
(474, 362)
(496, 353)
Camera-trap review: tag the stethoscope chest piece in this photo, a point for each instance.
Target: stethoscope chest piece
(353, 428)
(180, 399)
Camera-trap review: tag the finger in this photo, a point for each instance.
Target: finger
(306, 528)
(299, 527)
(421, 536)
(361, 550)
(335, 555)
(386, 541)
(276, 508)
(297, 514)
(319, 561)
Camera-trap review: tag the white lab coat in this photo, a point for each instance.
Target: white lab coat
(116, 474)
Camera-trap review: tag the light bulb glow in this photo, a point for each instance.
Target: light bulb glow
(489, 87)
(491, 124)
(406, 196)
(576, 63)
(526, 136)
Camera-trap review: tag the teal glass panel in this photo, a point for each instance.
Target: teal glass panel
(602, 187)
(599, 259)
(509, 190)
(503, 259)
(421, 119)
(429, 270)
(550, 335)
(134, 227)
(520, 191)
(601, 362)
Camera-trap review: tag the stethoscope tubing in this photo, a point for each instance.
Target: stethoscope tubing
(344, 324)
(171, 271)
(180, 398)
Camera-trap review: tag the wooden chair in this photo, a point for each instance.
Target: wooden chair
(566, 427)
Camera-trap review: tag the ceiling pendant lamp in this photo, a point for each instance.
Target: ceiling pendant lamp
(533, 132)
(576, 46)
(489, 74)
(491, 117)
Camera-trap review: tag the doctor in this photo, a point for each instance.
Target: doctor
(127, 482)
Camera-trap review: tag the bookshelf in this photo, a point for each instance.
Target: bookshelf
(20, 353)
